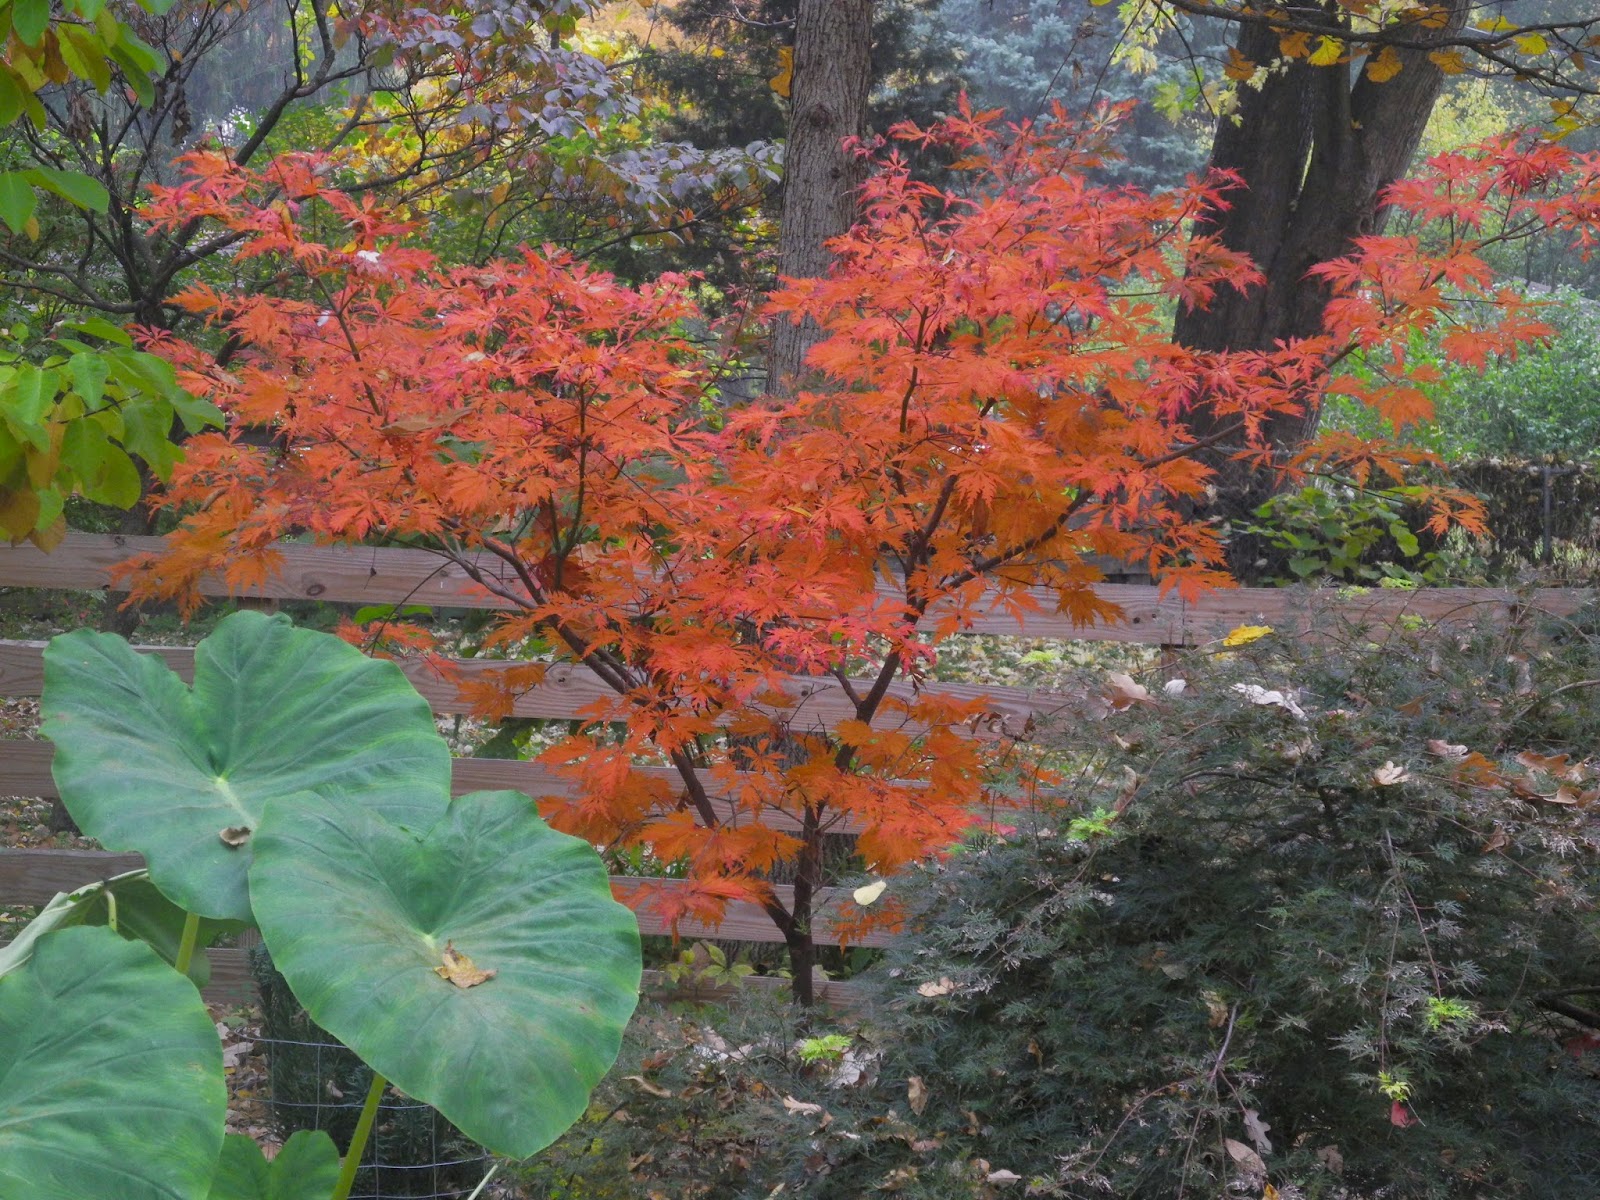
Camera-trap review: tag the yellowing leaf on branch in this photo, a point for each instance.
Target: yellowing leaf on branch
(1243, 635)
(1384, 66)
(1532, 43)
(1449, 61)
(784, 79)
(1329, 51)
(1239, 67)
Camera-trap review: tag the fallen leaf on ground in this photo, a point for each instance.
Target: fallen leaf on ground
(1388, 775)
(916, 1094)
(1257, 1129)
(1249, 1161)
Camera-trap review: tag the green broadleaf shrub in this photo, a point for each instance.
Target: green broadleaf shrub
(1325, 943)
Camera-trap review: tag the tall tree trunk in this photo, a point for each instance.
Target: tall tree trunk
(828, 89)
(828, 103)
(1315, 152)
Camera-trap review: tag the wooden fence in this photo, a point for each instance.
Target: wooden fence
(391, 576)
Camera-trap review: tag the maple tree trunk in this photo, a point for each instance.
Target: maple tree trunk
(1315, 150)
(828, 103)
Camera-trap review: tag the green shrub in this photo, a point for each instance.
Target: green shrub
(1319, 945)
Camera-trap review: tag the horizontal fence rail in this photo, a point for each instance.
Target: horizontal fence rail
(363, 575)
(36, 876)
(379, 575)
(25, 771)
(569, 689)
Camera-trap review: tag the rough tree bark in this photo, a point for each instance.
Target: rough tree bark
(828, 103)
(1315, 151)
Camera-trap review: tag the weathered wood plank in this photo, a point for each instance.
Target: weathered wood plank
(385, 575)
(568, 689)
(25, 771)
(231, 980)
(35, 876)
(372, 575)
(233, 983)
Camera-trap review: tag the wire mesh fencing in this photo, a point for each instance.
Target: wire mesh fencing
(313, 1082)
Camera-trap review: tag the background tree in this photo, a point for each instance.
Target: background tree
(830, 79)
(1331, 105)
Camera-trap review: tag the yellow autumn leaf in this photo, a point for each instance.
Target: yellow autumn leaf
(461, 970)
(1495, 25)
(869, 893)
(718, 52)
(1329, 50)
(1448, 61)
(1385, 66)
(1532, 43)
(782, 81)
(1239, 67)
(1243, 635)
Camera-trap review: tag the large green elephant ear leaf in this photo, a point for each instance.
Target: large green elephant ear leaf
(482, 967)
(145, 763)
(306, 1168)
(140, 913)
(110, 1075)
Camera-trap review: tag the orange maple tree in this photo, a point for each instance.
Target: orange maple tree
(761, 588)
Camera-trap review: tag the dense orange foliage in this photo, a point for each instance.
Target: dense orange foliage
(995, 401)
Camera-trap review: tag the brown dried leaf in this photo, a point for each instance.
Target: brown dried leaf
(1216, 1010)
(461, 970)
(802, 1107)
(653, 1089)
(1330, 1157)
(1249, 1161)
(916, 1094)
(1553, 764)
(1125, 691)
(1256, 1128)
(235, 836)
(1389, 775)
(1446, 750)
(943, 988)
